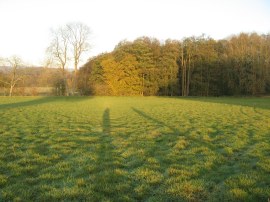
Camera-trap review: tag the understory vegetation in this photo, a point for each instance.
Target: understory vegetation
(134, 149)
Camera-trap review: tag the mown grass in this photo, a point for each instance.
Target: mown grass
(134, 149)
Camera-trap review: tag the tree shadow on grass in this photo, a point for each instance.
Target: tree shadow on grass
(255, 102)
(174, 130)
(190, 158)
(26, 103)
(40, 100)
(160, 123)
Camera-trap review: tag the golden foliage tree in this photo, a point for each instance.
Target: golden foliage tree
(122, 77)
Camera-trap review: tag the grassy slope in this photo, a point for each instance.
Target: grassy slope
(130, 149)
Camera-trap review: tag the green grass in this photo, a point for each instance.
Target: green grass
(134, 149)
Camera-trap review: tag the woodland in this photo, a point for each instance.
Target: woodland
(194, 66)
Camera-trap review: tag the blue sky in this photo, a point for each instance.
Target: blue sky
(26, 24)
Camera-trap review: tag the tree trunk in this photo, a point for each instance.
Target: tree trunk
(188, 76)
(11, 90)
(183, 74)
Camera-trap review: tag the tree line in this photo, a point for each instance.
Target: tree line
(194, 66)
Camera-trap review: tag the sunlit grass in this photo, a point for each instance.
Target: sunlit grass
(134, 149)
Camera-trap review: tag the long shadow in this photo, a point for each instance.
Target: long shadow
(175, 132)
(105, 178)
(255, 102)
(106, 123)
(41, 100)
(188, 159)
(143, 114)
(27, 103)
(163, 144)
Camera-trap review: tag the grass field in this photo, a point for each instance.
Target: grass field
(134, 149)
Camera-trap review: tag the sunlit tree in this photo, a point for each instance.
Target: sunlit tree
(13, 76)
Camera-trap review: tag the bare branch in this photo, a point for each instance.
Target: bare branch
(59, 46)
(79, 34)
(14, 62)
(4, 82)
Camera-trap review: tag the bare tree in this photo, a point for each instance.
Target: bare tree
(14, 64)
(78, 39)
(59, 47)
(71, 39)
(58, 52)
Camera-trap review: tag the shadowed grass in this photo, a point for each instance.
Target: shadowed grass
(134, 149)
(255, 102)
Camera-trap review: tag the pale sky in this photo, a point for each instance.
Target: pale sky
(26, 24)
